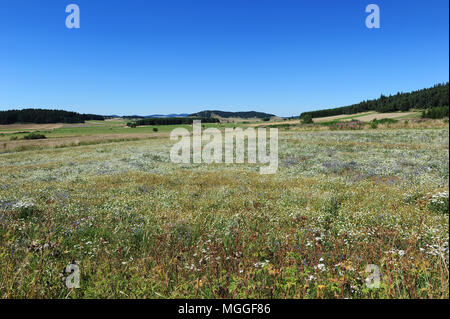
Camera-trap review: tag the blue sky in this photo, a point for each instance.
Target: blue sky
(172, 56)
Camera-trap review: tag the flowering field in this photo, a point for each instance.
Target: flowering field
(139, 226)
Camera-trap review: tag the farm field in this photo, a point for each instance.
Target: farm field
(369, 116)
(91, 132)
(363, 117)
(140, 226)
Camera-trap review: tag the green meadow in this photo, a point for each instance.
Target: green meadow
(139, 226)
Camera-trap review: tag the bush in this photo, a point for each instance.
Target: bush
(384, 121)
(436, 112)
(350, 125)
(34, 136)
(155, 129)
(307, 119)
(266, 119)
(13, 138)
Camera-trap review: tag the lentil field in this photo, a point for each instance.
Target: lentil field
(140, 226)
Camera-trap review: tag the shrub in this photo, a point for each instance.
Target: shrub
(13, 138)
(436, 112)
(155, 129)
(266, 119)
(385, 121)
(34, 136)
(307, 119)
(350, 125)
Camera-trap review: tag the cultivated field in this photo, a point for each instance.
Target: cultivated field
(140, 226)
(363, 117)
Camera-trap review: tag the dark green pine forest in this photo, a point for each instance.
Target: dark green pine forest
(434, 101)
(40, 116)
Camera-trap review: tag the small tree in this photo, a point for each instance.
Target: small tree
(307, 119)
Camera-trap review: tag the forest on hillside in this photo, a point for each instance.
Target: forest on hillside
(434, 97)
(40, 116)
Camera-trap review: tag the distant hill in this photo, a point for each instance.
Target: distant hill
(41, 116)
(155, 116)
(223, 114)
(436, 96)
(166, 115)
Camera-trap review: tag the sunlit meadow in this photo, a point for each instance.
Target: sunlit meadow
(140, 226)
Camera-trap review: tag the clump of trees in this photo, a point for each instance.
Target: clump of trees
(171, 121)
(307, 119)
(40, 116)
(434, 97)
(436, 112)
(34, 136)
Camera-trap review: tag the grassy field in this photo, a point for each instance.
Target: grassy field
(92, 132)
(140, 226)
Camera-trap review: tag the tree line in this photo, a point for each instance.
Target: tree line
(434, 97)
(40, 116)
(171, 121)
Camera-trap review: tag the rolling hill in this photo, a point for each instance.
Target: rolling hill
(223, 114)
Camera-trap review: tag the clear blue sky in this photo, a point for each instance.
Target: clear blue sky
(172, 56)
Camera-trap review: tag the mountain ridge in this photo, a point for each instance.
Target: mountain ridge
(226, 114)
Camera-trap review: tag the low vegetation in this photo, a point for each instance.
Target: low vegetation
(34, 136)
(138, 225)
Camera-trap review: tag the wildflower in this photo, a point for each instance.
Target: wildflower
(261, 264)
(321, 267)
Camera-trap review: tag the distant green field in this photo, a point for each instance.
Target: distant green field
(93, 128)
